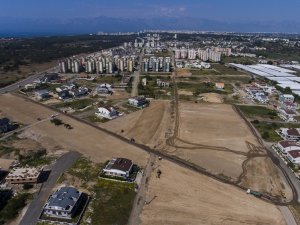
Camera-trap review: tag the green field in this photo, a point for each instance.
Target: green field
(204, 72)
(258, 112)
(267, 129)
(76, 104)
(222, 69)
(111, 203)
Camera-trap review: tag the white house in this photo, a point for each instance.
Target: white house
(161, 83)
(119, 167)
(294, 157)
(290, 134)
(107, 112)
(287, 114)
(286, 98)
(286, 146)
(140, 102)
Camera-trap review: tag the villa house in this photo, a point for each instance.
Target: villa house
(119, 167)
(107, 112)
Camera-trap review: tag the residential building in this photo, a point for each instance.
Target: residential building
(294, 157)
(220, 86)
(104, 89)
(63, 203)
(42, 94)
(287, 114)
(290, 134)
(286, 146)
(161, 83)
(138, 101)
(286, 98)
(24, 175)
(119, 167)
(107, 112)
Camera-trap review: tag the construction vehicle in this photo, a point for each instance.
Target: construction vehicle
(254, 193)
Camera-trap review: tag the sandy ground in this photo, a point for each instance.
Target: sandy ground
(87, 140)
(181, 72)
(214, 124)
(185, 92)
(260, 169)
(212, 98)
(147, 126)
(5, 163)
(190, 198)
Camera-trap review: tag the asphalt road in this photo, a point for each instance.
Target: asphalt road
(288, 216)
(15, 86)
(35, 208)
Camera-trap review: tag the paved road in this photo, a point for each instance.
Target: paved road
(33, 212)
(28, 80)
(140, 198)
(136, 76)
(287, 215)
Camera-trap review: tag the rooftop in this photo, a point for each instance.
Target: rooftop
(21, 173)
(63, 199)
(294, 153)
(119, 164)
(286, 144)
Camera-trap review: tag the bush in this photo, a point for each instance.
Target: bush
(27, 186)
(56, 122)
(265, 135)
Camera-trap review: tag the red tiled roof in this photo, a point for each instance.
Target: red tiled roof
(286, 144)
(293, 132)
(295, 153)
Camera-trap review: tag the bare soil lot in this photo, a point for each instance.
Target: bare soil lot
(147, 126)
(213, 124)
(85, 139)
(259, 169)
(190, 198)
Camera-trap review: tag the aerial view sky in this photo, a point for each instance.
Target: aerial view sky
(32, 14)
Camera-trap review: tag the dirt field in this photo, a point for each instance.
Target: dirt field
(202, 201)
(260, 169)
(212, 98)
(213, 124)
(83, 138)
(147, 126)
(181, 72)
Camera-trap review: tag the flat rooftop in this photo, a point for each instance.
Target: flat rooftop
(24, 173)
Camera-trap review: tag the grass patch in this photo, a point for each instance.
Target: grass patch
(114, 200)
(5, 149)
(258, 112)
(222, 69)
(13, 207)
(76, 104)
(267, 129)
(204, 72)
(85, 170)
(36, 159)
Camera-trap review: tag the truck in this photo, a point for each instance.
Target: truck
(254, 193)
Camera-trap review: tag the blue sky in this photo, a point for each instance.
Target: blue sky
(225, 10)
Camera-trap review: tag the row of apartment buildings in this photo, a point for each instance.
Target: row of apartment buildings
(156, 64)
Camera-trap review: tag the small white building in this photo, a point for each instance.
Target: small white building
(107, 112)
(286, 146)
(161, 83)
(118, 167)
(294, 157)
(138, 101)
(286, 98)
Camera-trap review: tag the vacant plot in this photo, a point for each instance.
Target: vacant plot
(82, 138)
(190, 198)
(214, 124)
(222, 69)
(258, 112)
(259, 169)
(147, 126)
(204, 72)
(182, 72)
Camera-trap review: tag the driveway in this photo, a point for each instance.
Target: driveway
(33, 212)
